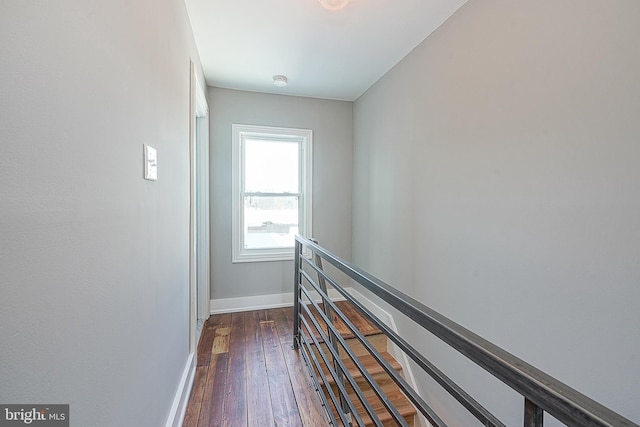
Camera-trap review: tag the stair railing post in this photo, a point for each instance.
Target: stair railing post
(533, 414)
(297, 277)
(332, 338)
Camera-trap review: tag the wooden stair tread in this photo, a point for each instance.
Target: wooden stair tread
(370, 364)
(379, 341)
(395, 396)
(363, 325)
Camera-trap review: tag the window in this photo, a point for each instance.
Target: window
(271, 191)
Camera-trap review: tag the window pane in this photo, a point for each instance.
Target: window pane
(270, 222)
(270, 166)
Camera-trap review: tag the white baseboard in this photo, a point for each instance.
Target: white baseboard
(261, 302)
(179, 406)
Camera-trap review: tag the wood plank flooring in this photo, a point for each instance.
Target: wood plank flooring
(247, 374)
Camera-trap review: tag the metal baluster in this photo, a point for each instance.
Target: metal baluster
(332, 338)
(533, 414)
(296, 295)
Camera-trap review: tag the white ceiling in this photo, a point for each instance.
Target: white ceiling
(324, 54)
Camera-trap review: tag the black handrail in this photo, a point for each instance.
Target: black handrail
(542, 393)
(485, 417)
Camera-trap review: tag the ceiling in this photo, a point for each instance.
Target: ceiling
(324, 54)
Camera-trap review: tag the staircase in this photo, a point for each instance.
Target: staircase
(388, 386)
(542, 393)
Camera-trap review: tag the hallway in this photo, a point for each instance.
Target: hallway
(248, 375)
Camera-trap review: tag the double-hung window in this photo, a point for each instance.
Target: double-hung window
(271, 191)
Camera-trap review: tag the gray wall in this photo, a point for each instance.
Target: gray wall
(498, 163)
(331, 122)
(94, 259)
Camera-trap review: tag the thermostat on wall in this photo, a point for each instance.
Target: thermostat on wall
(150, 163)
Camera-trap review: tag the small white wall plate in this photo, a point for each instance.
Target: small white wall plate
(150, 163)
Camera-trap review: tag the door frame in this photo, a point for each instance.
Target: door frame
(199, 265)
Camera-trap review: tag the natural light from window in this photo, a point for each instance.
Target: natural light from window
(272, 191)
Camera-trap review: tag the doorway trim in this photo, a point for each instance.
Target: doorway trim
(198, 206)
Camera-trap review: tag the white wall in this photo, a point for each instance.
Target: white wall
(331, 122)
(94, 259)
(496, 179)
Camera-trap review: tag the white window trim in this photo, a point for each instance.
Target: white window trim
(305, 138)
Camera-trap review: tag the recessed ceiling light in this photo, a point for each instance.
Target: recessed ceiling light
(280, 81)
(334, 4)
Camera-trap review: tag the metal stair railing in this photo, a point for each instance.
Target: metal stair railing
(346, 410)
(541, 392)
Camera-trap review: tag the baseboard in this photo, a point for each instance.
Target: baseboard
(261, 302)
(395, 351)
(181, 399)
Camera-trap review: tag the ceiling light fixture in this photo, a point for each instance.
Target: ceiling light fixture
(334, 4)
(280, 81)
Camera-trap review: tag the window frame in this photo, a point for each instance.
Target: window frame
(241, 133)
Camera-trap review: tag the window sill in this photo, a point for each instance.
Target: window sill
(262, 257)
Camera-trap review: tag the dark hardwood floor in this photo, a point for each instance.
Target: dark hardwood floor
(247, 374)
